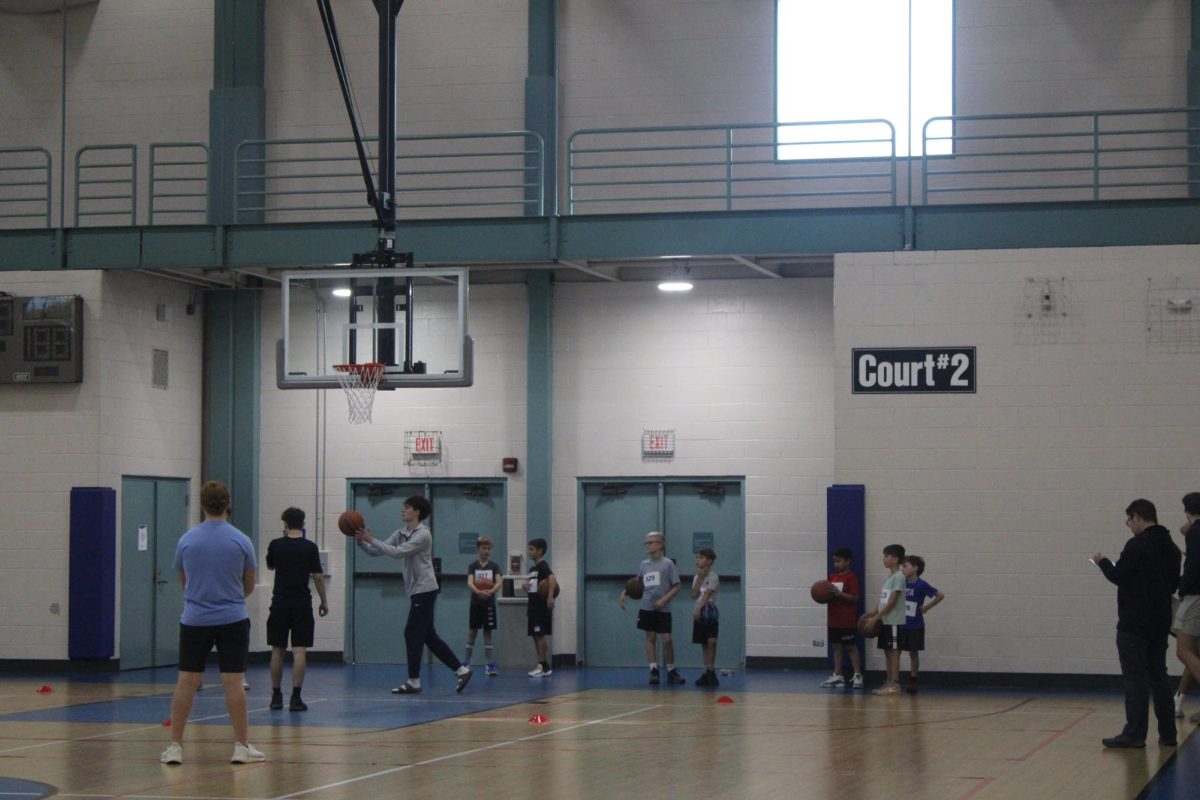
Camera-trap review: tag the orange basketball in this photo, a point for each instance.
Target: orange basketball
(544, 589)
(634, 588)
(822, 591)
(350, 521)
(867, 628)
(484, 585)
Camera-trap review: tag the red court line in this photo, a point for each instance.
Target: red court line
(1054, 736)
(983, 782)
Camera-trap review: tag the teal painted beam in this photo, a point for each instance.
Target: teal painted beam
(745, 233)
(1081, 225)
(539, 416)
(541, 96)
(232, 366)
(543, 239)
(237, 102)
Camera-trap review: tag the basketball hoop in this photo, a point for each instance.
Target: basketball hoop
(360, 382)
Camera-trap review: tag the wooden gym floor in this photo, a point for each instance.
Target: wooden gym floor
(607, 735)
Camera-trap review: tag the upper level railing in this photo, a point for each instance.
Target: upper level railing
(967, 159)
(473, 174)
(731, 167)
(25, 186)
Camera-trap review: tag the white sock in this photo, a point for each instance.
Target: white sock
(463, 670)
(414, 682)
(653, 665)
(670, 667)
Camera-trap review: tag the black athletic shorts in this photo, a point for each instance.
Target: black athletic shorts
(889, 637)
(296, 619)
(483, 617)
(842, 635)
(654, 621)
(703, 631)
(912, 639)
(232, 642)
(540, 625)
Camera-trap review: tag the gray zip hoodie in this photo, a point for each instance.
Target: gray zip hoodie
(416, 549)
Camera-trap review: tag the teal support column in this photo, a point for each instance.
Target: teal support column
(541, 99)
(1193, 101)
(539, 405)
(236, 104)
(232, 365)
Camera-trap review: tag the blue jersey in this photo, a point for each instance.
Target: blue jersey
(915, 595)
(213, 557)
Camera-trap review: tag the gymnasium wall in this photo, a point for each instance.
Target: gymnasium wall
(309, 450)
(1007, 492)
(54, 437)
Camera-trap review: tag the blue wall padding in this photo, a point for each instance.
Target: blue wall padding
(846, 526)
(93, 579)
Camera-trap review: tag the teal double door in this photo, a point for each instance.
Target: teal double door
(154, 514)
(694, 513)
(377, 601)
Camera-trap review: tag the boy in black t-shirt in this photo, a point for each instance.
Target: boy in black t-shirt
(541, 609)
(483, 601)
(294, 559)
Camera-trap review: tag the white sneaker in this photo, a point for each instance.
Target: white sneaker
(538, 672)
(1179, 698)
(888, 688)
(172, 755)
(833, 681)
(245, 754)
(857, 681)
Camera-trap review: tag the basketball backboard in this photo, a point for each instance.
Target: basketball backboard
(414, 321)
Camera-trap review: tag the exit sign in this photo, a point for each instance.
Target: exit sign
(658, 444)
(423, 447)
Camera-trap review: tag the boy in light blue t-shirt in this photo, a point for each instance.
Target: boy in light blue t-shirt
(890, 613)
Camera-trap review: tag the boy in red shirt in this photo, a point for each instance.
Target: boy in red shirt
(843, 620)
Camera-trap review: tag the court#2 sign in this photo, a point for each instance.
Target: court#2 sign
(897, 370)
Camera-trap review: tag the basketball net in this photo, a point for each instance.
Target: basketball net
(360, 382)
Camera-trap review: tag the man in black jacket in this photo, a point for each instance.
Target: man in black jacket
(1146, 576)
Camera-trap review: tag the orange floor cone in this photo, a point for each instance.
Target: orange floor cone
(166, 723)
(725, 700)
(45, 690)
(538, 719)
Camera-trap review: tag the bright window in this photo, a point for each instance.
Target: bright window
(863, 59)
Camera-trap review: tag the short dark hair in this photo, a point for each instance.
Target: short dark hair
(293, 518)
(896, 550)
(214, 498)
(421, 505)
(917, 562)
(844, 552)
(1191, 503)
(708, 553)
(1142, 508)
(539, 545)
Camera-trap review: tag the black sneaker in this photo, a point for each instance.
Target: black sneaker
(1123, 741)
(276, 700)
(406, 688)
(654, 676)
(297, 704)
(712, 678)
(674, 677)
(703, 680)
(463, 680)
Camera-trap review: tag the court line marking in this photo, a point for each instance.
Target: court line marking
(121, 733)
(463, 753)
(1053, 736)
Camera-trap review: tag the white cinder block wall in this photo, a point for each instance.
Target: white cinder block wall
(743, 372)
(1008, 491)
(54, 437)
(480, 426)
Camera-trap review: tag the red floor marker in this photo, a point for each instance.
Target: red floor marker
(725, 700)
(166, 723)
(538, 719)
(45, 690)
